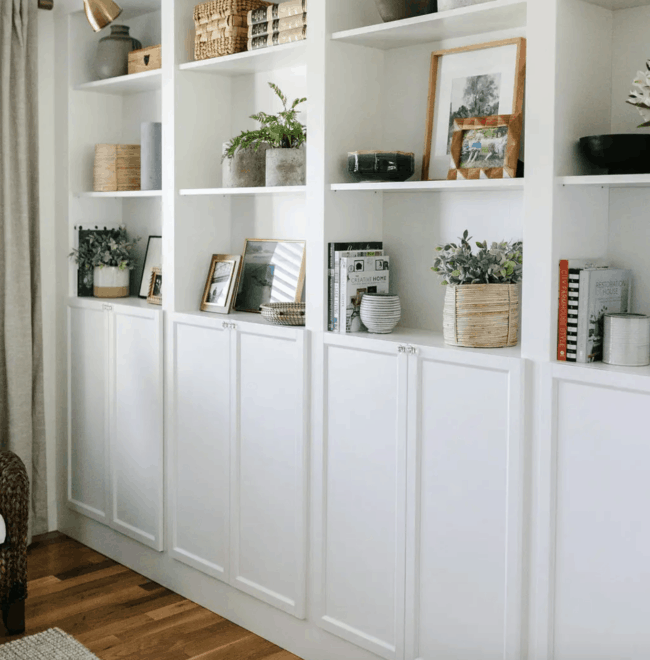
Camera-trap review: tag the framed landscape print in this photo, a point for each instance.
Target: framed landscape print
(221, 284)
(272, 271)
(485, 147)
(473, 81)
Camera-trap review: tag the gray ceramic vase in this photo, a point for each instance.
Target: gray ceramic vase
(246, 169)
(112, 56)
(286, 167)
(391, 10)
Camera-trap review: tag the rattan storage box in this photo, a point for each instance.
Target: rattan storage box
(145, 59)
(117, 167)
(222, 27)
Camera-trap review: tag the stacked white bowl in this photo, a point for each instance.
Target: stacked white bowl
(380, 312)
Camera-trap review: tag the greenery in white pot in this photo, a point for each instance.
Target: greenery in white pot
(104, 249)
(498, 263)
(640, 97)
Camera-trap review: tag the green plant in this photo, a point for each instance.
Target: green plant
(501, 263)
(104, 248)
(282, 130)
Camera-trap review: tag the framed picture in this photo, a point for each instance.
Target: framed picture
(485, 147)
(272, 271)
(152, 259)
(221, 284)
(155, 287)
(473, 81)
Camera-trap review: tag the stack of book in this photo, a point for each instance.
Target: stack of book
(588, 291)
(353, 269)
(278, 24)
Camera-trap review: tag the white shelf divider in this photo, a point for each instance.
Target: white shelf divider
(477, 185)
(608, 180)
(135, 83)
(464, 22)
(279, 190)
(122, 193)
(254, 61)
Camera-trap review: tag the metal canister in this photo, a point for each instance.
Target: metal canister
(626, 340)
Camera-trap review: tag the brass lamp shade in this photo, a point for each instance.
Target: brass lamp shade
(101, 12)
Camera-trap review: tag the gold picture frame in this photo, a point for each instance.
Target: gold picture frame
(273, 270)
(155, 287)
(493, 65)
(222, 282)
(485, 148)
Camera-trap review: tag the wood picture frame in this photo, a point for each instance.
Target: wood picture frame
(493, 64)
(272, 271)
(155, 287)
(478, 141)
(152, 258)
(222, 282)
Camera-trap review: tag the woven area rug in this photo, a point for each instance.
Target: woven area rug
(53, 644)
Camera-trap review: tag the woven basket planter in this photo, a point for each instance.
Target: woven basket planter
(284, 313)
(481, 315)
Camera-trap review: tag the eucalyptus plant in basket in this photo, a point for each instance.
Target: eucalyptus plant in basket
(482, 299)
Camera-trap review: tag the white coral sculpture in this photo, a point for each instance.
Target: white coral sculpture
(640, 97)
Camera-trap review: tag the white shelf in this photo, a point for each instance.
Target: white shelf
(619, 4)
(599, 373)
(608, 180)
(237, 317)
(464, 22)
(279, 190)
(136, 83)
(434, 186)
(254, 61)
(96, 303)
(122, 193)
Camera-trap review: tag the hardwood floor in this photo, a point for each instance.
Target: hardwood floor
(119, 614)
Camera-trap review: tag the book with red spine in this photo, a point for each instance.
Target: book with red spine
(563, 311)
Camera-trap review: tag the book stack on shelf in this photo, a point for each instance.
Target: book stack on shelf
(278, 24)
(588, 291)
(354, 269)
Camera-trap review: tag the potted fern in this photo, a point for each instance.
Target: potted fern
(105, 259)
(482, 299)
(276, 149)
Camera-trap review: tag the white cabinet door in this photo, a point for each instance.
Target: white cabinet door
(465, 499)
(364, 493)
(136, 446)
(269, 450)
(200, 461)
(87, 411)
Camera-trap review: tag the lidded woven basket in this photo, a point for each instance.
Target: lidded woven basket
(284, 313)
(481, 315)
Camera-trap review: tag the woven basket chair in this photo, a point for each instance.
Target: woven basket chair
(14, 508)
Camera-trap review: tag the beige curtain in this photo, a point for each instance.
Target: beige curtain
(22, 427)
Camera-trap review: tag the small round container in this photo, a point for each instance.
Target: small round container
(626, 340)
(380, 312)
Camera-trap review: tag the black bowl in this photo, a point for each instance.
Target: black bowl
(619, 154)
(377, 166)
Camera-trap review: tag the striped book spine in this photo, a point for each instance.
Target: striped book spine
(572, 314)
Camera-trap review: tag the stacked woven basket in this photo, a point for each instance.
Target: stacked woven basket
(222, 27)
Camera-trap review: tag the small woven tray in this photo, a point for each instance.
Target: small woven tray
(284, 313)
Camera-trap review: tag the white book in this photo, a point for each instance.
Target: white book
(360, 275)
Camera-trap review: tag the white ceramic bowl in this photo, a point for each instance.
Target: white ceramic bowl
(380, 312)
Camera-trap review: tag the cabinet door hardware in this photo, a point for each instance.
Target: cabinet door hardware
(107, 308)
(401, 349)
(412, 350)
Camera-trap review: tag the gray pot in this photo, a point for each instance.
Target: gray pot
(246, 169)
(112, 56)
(286, 167)
(446, 5)
(391, 10)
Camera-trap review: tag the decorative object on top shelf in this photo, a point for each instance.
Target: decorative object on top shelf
(380, 312)
(460, 88)
(155, 287)
(221, 27)
(285, 158)
(151, 155)
(278, 24)
(152, 259)
(272, 271)
(145, 59)
(284, 313)
(108, 254)
(446, 5)
(378, 166)
(85, 272)
(117, 167)
(246, 168)
(394, 10)
(485, 147)
(625, 153)
(626, 340)
(221, 285)
(482, 299)
(640, 98)
(101, 12)
(112, 55)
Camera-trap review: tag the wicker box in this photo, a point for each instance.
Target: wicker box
(145, 59)
(222, 27)
(117, 167)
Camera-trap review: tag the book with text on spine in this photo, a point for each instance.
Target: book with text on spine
(278, 38)
(280, 10)
(278, 25)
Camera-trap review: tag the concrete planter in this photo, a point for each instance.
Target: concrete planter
(246, 169)
(111, 282)
(286, 167)
(391, 10)
(446, 5)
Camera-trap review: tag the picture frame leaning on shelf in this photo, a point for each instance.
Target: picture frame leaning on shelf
(221, 285)
(155, 287)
